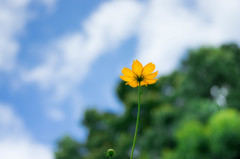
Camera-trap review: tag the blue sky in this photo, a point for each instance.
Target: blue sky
(59, 58)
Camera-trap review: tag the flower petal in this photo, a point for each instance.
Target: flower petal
(137, 67)
(149, 81)
(133, 84)
(148, 69)
(143, 83)
(151, 76)
(126, 78)
(127, 72)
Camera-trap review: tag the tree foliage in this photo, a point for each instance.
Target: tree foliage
(191, 113)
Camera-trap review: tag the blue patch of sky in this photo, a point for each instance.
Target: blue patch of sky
(100, 85)
(28, 101)
(191, 4)
(99, 88)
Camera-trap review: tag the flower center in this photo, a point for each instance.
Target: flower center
(140, 78)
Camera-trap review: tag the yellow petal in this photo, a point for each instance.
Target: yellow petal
(151, 76)
(149, 68)
(127, 72)
(133, 84)
(143, 83)
(137, 67)
(149, 81)
(126, 78)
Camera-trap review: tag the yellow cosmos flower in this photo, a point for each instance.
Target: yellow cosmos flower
(139, 75)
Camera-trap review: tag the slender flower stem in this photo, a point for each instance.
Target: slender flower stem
(135, 136)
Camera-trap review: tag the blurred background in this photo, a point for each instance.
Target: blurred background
(60, 92)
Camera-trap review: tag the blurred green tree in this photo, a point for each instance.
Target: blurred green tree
(69, 148)
(224, 134)
(191, 113)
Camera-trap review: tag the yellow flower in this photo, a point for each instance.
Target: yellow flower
(139, 75)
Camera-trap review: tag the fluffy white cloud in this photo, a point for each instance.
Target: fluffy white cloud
(55, 114)
(13, 17)
(170, 27)
(15, 140)
(9, 122)
(50, 4)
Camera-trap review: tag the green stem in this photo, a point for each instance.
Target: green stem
(135, 136)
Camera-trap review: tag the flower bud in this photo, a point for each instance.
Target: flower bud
(110, 152)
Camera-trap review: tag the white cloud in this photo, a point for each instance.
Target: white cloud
(168, 28)
(23, 149)
(14, 16)
(15, 140)
(8, 121)
(55, 114)
(50, 4)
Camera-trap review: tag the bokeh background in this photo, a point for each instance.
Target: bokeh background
(60, 92)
